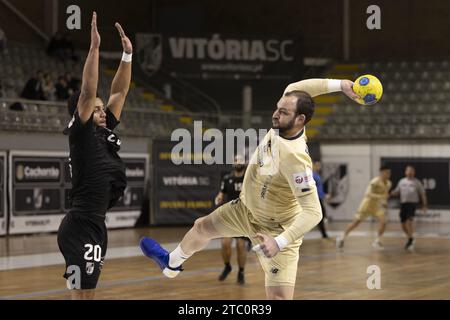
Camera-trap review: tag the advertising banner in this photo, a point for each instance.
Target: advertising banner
(185, 192)
(40, 185)
(217, 56)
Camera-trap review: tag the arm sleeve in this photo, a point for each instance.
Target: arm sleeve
(314, 87)
(76, 127)
(298, 172)
(420, 187)
(307, 219)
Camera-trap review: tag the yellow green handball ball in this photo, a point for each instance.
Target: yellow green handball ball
(369, 88)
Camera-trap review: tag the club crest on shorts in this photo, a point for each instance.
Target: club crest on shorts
(90, 266)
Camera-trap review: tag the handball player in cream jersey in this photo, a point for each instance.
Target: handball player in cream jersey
(278, 203)
(374, 204)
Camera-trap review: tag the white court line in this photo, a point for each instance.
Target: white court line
(55, 258)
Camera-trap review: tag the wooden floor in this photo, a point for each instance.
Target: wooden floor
(324, 272)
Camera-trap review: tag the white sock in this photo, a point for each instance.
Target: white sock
(177, 257)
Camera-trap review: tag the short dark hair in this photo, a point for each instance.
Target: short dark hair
(384, 167)
(305, 104)
(73, 102)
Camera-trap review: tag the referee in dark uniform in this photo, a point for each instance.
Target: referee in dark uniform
(98, 173)
(230, 188)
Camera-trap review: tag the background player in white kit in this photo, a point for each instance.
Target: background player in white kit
(411, 193)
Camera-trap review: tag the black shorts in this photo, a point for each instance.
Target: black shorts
(83, 243)
(407, 211)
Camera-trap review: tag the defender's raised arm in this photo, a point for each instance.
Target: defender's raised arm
(122, 79)
(86, 102)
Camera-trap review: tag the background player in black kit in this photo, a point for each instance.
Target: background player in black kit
(98, 173)
(230, 188)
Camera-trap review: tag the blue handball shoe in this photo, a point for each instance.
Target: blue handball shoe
(154, 251)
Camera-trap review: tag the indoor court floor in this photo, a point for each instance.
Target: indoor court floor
(31, 267)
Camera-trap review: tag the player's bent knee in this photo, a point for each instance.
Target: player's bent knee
(205, 228)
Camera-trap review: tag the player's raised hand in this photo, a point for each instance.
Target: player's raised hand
(126, 43)
(95, 36)
(268, 245)
(347, 89)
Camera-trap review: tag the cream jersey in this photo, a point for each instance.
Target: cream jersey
(278, 187)
(280, 170)
(377, 191)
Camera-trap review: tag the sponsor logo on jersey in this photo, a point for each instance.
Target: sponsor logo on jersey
(303, 180)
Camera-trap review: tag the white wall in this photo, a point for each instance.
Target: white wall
(363, 162)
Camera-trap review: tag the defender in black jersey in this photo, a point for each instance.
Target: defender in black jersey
(230, 188)
(98, 173)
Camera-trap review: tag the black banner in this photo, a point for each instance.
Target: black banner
(136, 172)
(37, 186)
(41, 187)
(432, 172)
(182, 193)
(37, 201)
(218, 56)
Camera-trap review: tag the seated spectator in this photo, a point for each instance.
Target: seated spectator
(48, 88)
(33, 88)
(2, 40)
(73, 83)
(63, 92)
(16, 106)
